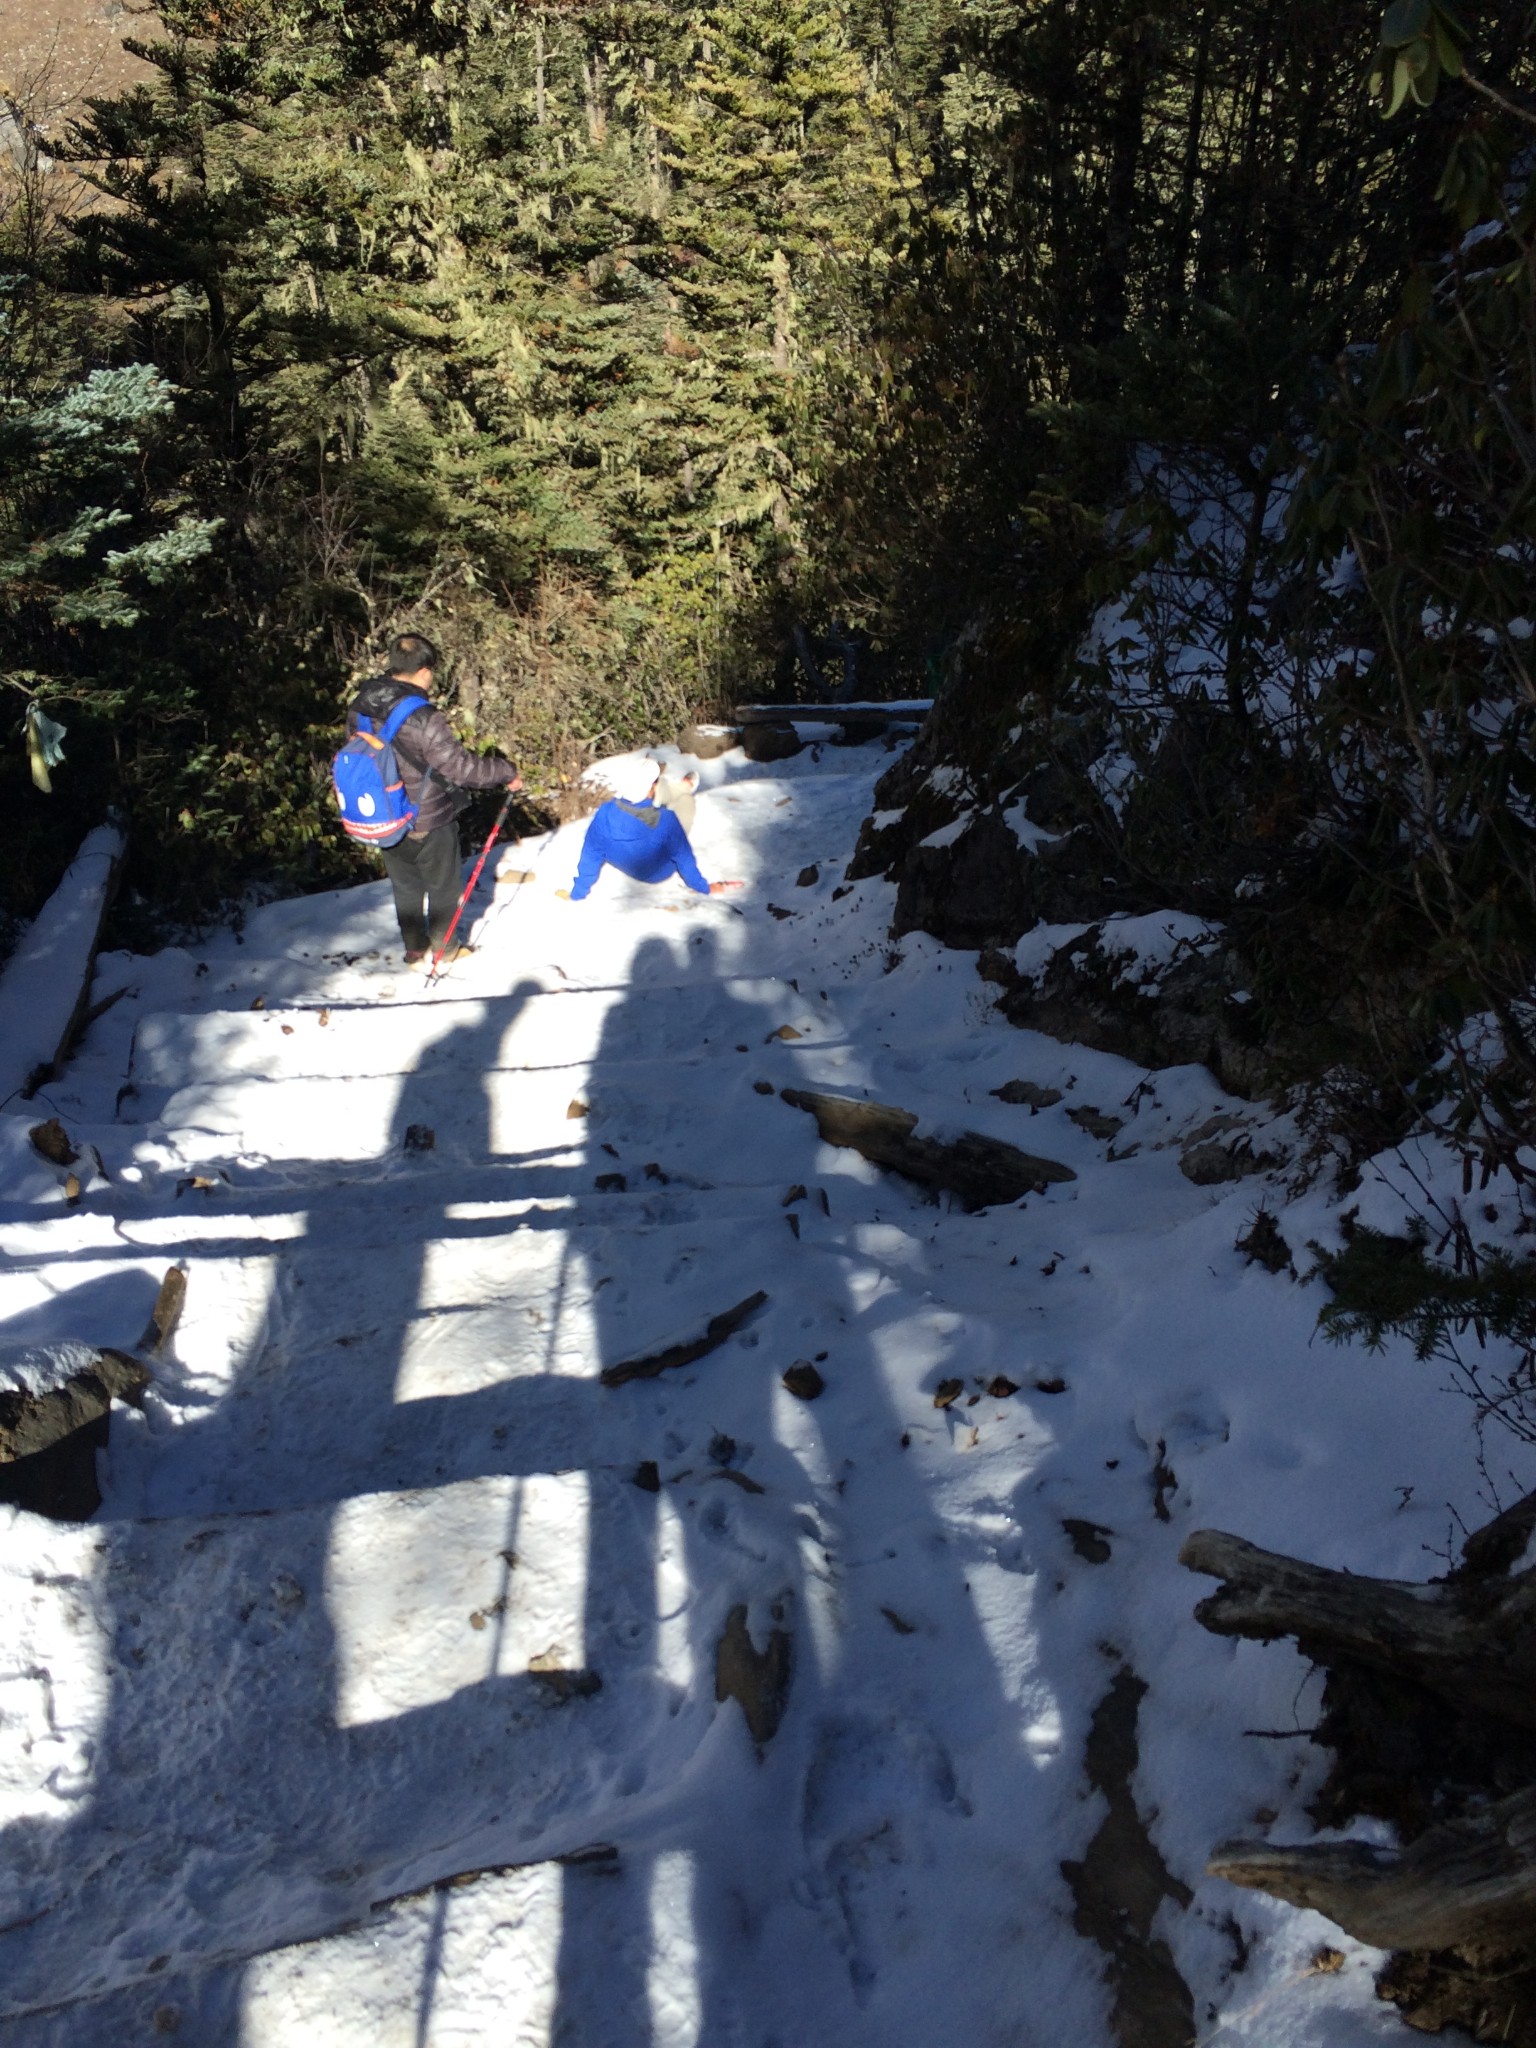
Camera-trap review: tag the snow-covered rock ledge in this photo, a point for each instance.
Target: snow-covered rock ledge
(55, 1403)
(1163, 988)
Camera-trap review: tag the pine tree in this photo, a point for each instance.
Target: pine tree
(778, 146)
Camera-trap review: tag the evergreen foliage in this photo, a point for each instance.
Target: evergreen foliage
(1476, 1317)
(74, 484)
(608, 340)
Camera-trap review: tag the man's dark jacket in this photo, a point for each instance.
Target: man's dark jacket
(432, 763)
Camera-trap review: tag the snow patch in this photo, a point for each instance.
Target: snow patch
(41, 1368)
(1029, 835)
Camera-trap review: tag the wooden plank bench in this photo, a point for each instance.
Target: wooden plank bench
(912, 713)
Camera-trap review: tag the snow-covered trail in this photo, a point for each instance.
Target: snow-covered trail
(378, 1705)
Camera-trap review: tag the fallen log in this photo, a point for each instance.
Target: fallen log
(909, 712)
(45, 987)
(1468, 1884)
(1470, 1639)
(978, 1171)
(1501, 1543)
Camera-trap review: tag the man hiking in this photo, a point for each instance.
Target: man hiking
(424, 866)
(635, 833)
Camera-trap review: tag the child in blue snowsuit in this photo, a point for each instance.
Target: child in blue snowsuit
(639, 837)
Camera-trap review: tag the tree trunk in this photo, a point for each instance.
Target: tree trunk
(1240, 631)
(1470, 1639)
(1184, 217)
(1468, 1885)
(1458, 1903)
(783, 311)
(1126, 143)
(595, 75)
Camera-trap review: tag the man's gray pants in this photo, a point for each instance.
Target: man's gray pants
(424, 874)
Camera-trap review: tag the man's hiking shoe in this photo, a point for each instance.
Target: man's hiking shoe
(414, 959)
(424, 962)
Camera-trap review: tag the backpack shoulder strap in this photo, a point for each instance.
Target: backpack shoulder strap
(402, 711)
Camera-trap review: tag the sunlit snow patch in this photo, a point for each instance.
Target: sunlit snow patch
(55, 1672)
(431, 1593)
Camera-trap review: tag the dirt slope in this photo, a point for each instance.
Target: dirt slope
(55, 53)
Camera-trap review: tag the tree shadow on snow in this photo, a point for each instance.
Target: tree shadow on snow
(235, 1799)
(256, 1781)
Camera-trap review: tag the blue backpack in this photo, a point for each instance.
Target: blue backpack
(374, 806)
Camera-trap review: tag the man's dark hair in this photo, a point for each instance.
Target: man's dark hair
(409, 652)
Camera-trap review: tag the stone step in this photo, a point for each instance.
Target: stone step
(477, 1354)
(289, 1379)
(405, 1202)
(525, 1029)
(563, 1130)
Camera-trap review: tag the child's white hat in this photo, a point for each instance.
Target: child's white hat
(631, 778)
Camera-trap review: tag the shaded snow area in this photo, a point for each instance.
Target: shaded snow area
(377, 1707)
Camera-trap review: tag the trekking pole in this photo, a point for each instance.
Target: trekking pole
(502, 905)
(469, 887)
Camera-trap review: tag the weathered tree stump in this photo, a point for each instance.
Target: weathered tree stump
(1470, 1639)
(1468, 1885)
(708, 742)
(777, 742)
(1436, 1682)
(56, 1406)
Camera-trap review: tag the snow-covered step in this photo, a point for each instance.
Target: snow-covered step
(317, 1281)
(263, 1210)
(111, 1292)
(470, 1355)
(475, 1035)
(492, 1947)
(497, 1951)
(380, 1214)
(709, 1126)
(320, 1407)
(293, 1715)
(476, 1961)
